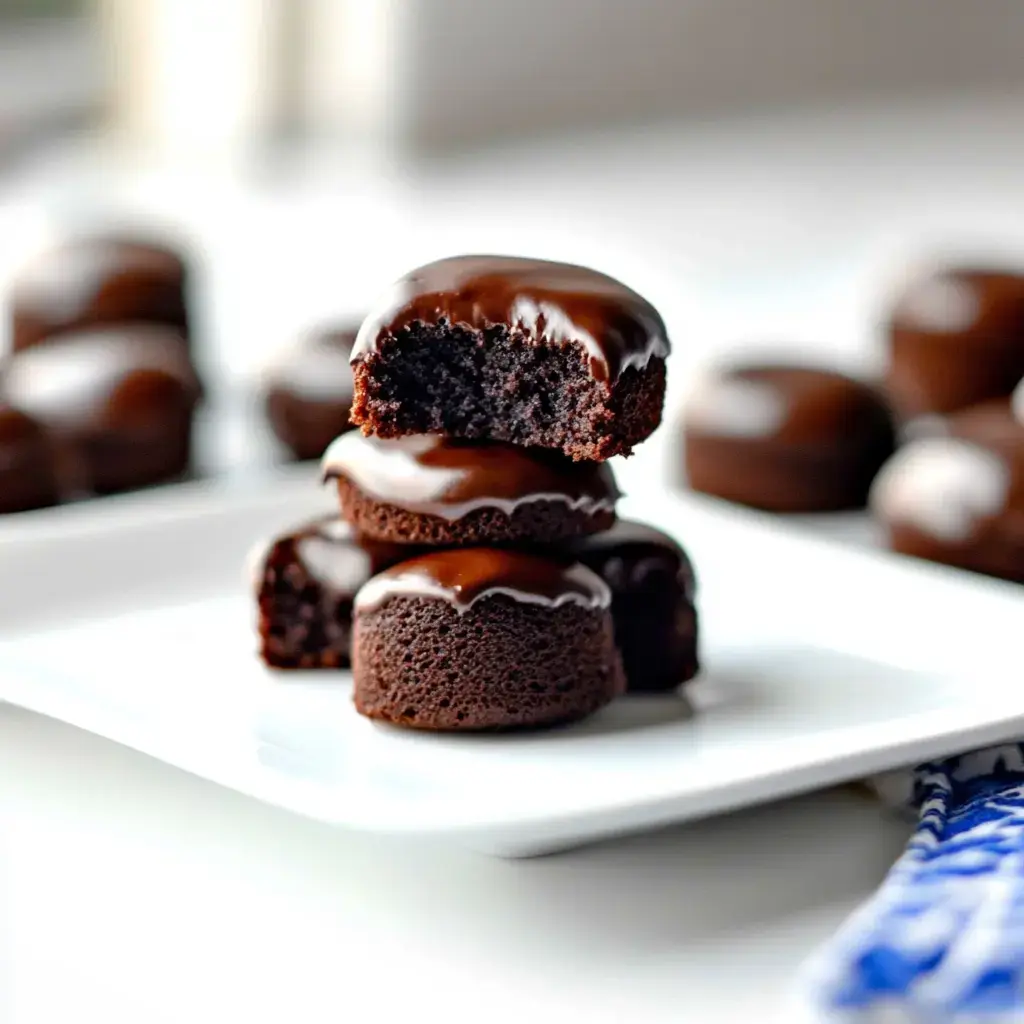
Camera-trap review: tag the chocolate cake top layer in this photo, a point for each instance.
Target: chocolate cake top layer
(466, 575)
(548, 303)
(444, 477)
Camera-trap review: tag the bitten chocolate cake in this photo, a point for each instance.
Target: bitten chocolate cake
(786, 438)
(959, 498)
(308, 393)
(427, 489)
(305, 583)
(117, 401)
(92, 282)
(956, 338)
(653, 588)
(523, 351)
(481, 638)
(28, 476)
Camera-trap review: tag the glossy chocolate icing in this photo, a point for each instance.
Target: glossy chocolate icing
(444, 477)
(465, 575)
(330, 552)
(94, 281)
(106, 376)
(545, 302)
(630, 553)
(792, 405)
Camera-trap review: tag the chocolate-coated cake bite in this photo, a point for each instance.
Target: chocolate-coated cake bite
(959, 498)
(118, 402)
(425, 489)
(653, 588)
(525, 351)
(308, 392)
(484, 638)
(956, 338)
(96, 281)
(786, 438)
(28, 477)
(305, 582)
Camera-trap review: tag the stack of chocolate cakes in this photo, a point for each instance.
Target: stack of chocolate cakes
(99, 390)
(477, 577)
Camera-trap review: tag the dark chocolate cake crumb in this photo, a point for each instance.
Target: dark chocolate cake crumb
(502, 664)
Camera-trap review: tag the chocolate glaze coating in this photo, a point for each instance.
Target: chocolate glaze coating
(463, 576)
(653, 585)
(450, 478)
(956, 338)
(91, 282)
(431, 490)
(786, 438)
(308, 393)
(547, 303)
(28, 477)
(305, 581)
(958, 497)
(118, 402)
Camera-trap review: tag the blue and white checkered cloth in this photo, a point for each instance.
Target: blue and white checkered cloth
(943, 939)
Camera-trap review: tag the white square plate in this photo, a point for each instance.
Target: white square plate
(131, 618)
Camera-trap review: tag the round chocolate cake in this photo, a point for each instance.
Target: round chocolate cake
(524, 351)
(786, 438)
(956, 338)
(95, 281)
(425, 489)
(958, 498)
(117, 401)
(484, 638)
(308, 392)
(653, 589)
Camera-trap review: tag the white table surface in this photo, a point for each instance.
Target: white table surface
(146, 894)
(136, 892)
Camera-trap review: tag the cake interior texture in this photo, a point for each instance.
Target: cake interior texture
(302, 624)
(501, 664)
(499, 385)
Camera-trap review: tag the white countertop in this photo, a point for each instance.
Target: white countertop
(139, 893)
(146, 894)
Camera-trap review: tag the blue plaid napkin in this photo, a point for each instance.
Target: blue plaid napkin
(943, 939)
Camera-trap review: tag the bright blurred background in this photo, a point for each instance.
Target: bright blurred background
(760, 169)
